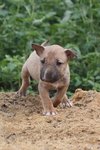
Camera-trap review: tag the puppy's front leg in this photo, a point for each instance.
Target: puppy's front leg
(66, 102)
(46, 101)
(59, 96)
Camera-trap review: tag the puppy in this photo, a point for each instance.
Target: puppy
(48, 65)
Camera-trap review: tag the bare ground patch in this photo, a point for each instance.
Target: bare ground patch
(22, 126)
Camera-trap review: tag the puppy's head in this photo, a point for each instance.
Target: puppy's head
(53, 61)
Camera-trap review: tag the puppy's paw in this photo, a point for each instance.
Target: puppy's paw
(50, 113)
(20, 93)
(66, 103)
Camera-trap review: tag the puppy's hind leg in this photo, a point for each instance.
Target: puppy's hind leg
(25, 81)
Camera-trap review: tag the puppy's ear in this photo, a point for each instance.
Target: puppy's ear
(38, 48)
(70, 54)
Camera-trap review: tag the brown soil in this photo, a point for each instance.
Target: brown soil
(22, 126)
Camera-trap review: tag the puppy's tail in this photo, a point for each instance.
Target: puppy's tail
(45, 43)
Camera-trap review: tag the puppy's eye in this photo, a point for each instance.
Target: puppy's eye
(59, 63)
(42, 61)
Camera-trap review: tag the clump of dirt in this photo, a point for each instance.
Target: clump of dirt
(23, 127)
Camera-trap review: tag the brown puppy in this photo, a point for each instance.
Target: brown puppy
(48, 65)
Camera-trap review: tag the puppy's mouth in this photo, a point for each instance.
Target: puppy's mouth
(49, 80)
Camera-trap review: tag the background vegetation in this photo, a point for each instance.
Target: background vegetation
(71, 23)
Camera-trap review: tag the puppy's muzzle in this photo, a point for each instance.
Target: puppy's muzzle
(49, 74)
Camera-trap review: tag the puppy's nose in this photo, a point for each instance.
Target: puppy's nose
(50, 77)
(49, 74)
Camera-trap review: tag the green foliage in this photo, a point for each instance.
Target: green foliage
(85, 72)
(10, 72)
(72, 24)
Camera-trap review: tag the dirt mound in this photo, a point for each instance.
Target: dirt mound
(22, 126)
(86, 98)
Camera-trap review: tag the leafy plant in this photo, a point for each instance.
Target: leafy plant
(85, 72)
(10, 68)
(69, 23)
